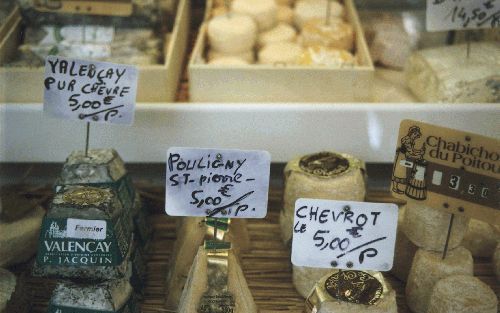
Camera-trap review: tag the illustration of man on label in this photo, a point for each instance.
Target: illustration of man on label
(408, 176)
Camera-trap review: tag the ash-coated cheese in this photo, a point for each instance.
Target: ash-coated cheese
(7, 287)
(284, 14)
(462, 294)
(234, 33)
(329, 57)
(280, 53)
(323, 175)
(336, 34)
(404, 251)
(427, 227)
(18, 239)
(445, 74)
(309, 9)
(280, 33)
(428, 268)
(264, 12)
(481, 238)
(247, 56)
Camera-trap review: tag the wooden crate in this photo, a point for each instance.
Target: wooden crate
(268, 83)
(157, 83)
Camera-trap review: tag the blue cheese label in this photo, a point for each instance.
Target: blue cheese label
(76, 242)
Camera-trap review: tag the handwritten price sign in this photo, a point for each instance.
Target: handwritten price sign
(217, 183)
(90, 91)
(344, 234)
(462, 14)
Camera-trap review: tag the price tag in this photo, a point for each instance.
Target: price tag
(450, 170)
(462, 14)
(90, 91)
(344, 234)
(217, 183)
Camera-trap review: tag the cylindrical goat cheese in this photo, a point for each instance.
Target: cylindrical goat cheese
(352, 292)
(481, 238)
(309, 9)
(336, 34)
(428, 268)
(19, 239)
(232, 33)
(111, 296)
(462, 294)
(328, 57)
(246, 56)
(284, 14)
(280, 33)
(428, 228)
(280, 53)
(404, 251)
(323, 175)
(86, 235)
(264, 12)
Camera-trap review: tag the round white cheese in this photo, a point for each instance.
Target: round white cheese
(264, 12)
(337, 34)
(481, 238)
(233, 33)
(284, 14)
(281, 33)
(323, 56)
(280, 53)
(309, 9)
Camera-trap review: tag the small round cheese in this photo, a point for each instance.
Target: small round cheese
(280, 53)
(427, 227)
(322, 56)
(228, 61)
(234, 33)
(481, 238)
(264, 12)
(284, 14)
(281, 33)
(309, 9)
(337, 34)
(247, 56)
(428, 268)
(462, 294)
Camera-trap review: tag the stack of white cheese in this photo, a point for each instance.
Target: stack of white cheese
(280, 32)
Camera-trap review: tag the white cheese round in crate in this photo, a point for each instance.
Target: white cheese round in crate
(481, 238)
(247, 56)
(284, 14)
(19, 239)
(323, 175)
(280, 53)
(330, 57)
(228, 61)
(428, 268)
(404, 251)
(264, 12)
(428, 227)
(336, 34)
(281, 33)
(309, 9)
(462, 294)
(233, 33)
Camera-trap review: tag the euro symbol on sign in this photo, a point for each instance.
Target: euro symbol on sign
(225, 189)
(108, 99)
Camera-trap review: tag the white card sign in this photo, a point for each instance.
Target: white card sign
(462, 14)
(90, 91)
(344, 234)
(217, 182)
